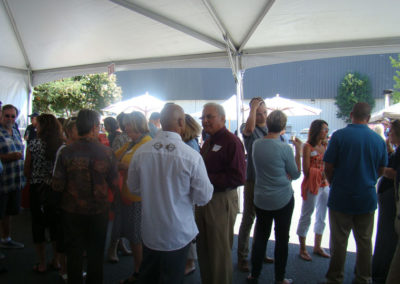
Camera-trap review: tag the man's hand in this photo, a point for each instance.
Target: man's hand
(256, 103)
(14, 156)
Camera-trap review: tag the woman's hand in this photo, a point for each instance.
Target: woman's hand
(297, 145)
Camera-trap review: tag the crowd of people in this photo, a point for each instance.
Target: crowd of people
(173, 199)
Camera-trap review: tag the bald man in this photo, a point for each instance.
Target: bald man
(170, 177)
(354, 159)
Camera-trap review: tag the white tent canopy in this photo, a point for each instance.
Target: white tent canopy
(391, 112)
(51, 39)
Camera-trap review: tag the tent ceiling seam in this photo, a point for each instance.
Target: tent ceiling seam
(170, 23)
(256, 24)
(353, 44)
(17, 34)
(222, 28)
(135, 62)
(13, 69)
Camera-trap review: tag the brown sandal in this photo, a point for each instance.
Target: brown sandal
(305, 256)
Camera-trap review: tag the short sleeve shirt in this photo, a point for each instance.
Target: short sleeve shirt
(258, 133)
(356, 153)
(12, 177)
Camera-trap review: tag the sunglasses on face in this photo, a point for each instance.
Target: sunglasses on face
(9, 116)
(208, 117)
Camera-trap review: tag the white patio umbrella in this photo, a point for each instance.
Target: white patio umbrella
(290, 107)
(230, 108)
(392, 112)
(144, 103)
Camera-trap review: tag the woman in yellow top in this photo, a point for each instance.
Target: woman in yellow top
(129, 216)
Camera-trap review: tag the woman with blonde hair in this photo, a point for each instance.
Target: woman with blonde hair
(192, 132)
(190, 137)
(127, 222)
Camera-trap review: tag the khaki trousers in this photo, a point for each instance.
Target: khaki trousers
(248, 216)
(214, 243)
(340, 225)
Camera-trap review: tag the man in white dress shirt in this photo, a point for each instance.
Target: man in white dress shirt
(170, 177)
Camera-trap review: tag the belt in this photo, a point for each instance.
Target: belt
(217, 189)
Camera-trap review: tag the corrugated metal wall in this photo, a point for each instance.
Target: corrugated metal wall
(318, 79)
(315, 79)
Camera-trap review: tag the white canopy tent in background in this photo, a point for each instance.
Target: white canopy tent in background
(391, 112)
(290, 107)
(146, 104)
(44, 40)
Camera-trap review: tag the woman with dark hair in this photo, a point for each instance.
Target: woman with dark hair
(314, 188)
(386, 237)
(275, 167)
(112, 128)
(39, 164)
(122, 139)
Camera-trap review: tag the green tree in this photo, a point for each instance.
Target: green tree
(66, 96)
(396, 78)
(354, 88)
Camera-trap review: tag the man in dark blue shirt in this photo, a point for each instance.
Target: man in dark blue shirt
(354, 159)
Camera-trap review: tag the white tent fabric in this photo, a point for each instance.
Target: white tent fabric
(51, 39)
(392, 112)
(146, 104)
(13, 89)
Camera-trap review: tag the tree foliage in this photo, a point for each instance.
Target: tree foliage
(354, 88)
(396, 78)
(67, 96)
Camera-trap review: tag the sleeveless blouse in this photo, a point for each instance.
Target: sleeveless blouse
(315, 178)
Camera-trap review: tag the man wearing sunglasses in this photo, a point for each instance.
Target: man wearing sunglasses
(12, 179)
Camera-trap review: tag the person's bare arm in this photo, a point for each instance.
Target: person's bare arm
(306, 159)
(328, 170)
(297, 146)
(10, 157)
(28, 164)
(251, 120)
(387, 172)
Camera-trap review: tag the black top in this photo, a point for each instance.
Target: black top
(30, 132)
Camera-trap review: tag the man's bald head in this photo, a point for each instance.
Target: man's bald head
(361, 113)
(172, 118)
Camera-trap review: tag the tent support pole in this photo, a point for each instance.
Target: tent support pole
(30, 95)
(239, 91)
